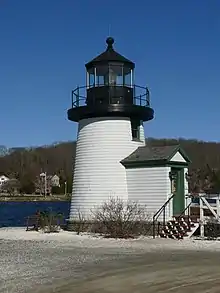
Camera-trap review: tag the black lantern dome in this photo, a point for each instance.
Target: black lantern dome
(110, 55)
(110, 90)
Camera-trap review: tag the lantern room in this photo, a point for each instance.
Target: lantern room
(110, 90)
(110, 78)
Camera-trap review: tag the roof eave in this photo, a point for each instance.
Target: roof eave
(143, 162)
(94, 63)
(152, 163)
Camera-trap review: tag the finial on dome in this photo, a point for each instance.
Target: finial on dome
(110, 42)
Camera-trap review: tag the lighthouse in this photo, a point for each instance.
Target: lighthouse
(110, 110)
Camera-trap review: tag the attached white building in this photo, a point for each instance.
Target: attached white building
(154, 174)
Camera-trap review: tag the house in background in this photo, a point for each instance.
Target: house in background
(44, 183)
(9, 185)
(3, 179)
(55, 180)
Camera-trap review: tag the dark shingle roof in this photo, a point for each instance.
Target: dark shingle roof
(147, 153)
(110, 55)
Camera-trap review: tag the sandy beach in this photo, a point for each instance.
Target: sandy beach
(65, 262)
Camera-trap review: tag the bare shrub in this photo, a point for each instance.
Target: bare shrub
(81, 223)
(120, 219)
(212, 229)
(50, 222)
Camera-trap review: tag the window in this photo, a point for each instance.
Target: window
(127, 76)
(91, 77)
(135, 129)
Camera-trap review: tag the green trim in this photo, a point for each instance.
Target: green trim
(177, 164)
(179, 198)
(154, 163)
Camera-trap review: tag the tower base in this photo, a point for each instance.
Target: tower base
(98, 174)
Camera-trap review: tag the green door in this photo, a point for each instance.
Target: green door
(179, 197)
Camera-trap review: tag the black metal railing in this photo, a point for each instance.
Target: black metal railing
(115, 94)
(157, 215)
(185, 212)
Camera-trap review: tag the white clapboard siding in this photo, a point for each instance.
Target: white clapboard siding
(187, 199)
(185, 181)
(149, 187)
(98, 175)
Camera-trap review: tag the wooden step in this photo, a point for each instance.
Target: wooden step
(178, 227)
(193, 218)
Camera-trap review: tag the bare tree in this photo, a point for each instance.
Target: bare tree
(26, 164)
(121, 219)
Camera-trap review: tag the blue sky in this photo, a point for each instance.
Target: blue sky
(45, 44)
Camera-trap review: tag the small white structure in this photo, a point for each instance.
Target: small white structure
(111, 157)
(154, 174)
(3, 179)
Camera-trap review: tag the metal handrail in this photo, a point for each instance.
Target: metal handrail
(158, 213)
(143, 98)
(183, 213)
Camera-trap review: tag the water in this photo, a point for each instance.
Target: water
(14, 214)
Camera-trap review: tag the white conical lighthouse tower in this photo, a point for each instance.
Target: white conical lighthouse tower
(110, 111)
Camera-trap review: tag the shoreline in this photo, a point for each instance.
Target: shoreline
(34, 198)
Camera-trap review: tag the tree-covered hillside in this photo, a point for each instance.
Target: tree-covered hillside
(26, 164)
